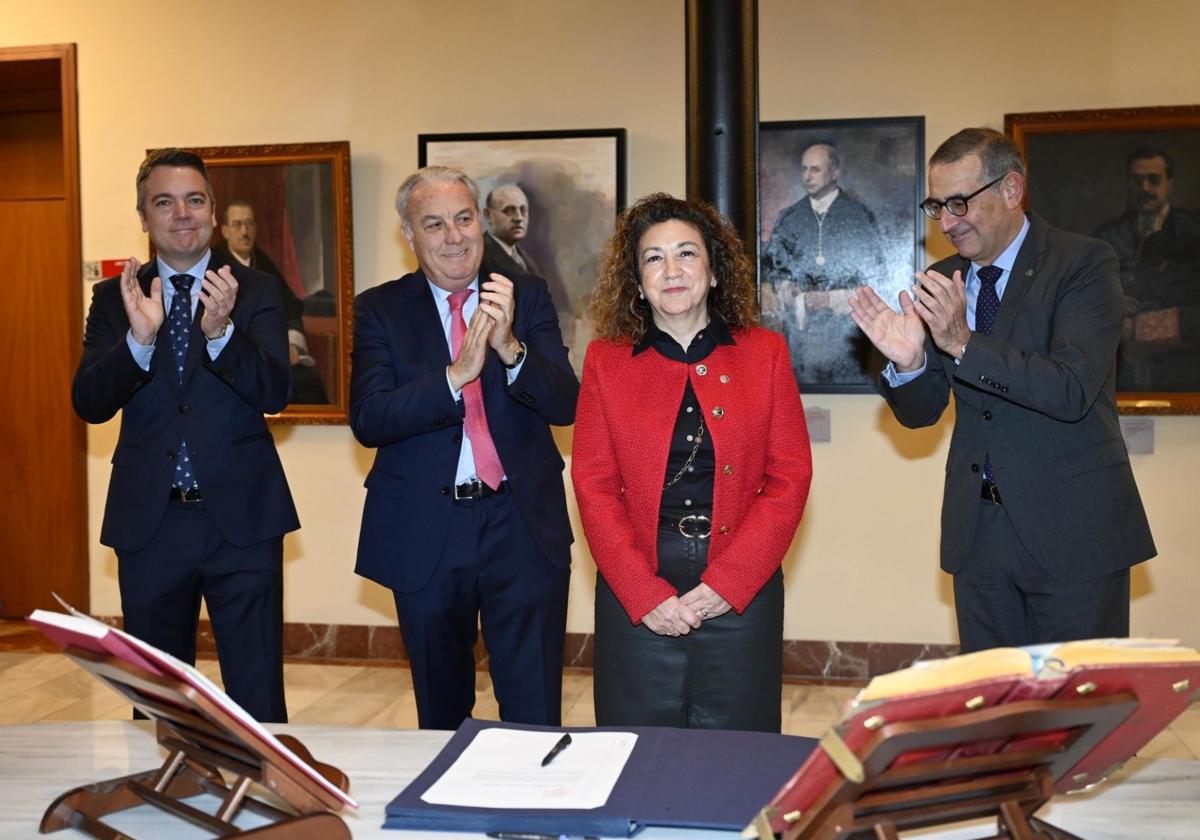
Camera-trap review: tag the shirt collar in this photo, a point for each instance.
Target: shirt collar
(1008, 256)
(822, 205)
(196, 271)
(442, 297)
(717, 330)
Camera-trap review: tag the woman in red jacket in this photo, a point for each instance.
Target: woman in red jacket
(691, 466)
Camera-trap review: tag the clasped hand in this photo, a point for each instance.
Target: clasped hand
(491, 326)
(145, 312)
(680, 615)
(937, 303)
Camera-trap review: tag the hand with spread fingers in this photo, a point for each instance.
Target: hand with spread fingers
(941, 302)
(898, 336)
(218, 293)
(705, 602)
(469, 364)
(145, 312)
(496, 299)
(671, 618)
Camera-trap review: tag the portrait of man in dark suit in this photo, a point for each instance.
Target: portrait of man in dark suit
(1158, 246)
(239, 232)
(1041, 518)
(822, 248)
(506, 210)
(192, 350)
(457, 374)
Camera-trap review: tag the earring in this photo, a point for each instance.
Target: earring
(641, 294)
(713, 282)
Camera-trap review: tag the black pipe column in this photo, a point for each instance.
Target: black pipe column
(722, 110)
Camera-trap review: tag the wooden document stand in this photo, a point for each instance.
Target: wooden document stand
(202, 739)
(876, 797)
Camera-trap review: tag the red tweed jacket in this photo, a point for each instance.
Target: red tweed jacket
(627, 409)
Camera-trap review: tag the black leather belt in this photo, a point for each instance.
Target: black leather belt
(990, 493)
(476, 489)
(178, 494)
(694, 526)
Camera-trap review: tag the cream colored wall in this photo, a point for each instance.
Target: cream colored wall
(864, 564)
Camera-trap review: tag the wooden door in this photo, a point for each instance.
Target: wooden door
(43, 477)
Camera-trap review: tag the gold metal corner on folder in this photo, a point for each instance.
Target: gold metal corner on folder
(842, 757)
(761, 827)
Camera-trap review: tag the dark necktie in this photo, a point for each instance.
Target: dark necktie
(180, 323)
(987, 304)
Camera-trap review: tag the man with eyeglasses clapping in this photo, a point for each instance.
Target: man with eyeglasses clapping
(1041, 517)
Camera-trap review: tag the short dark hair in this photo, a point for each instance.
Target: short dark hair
(487, 202)
(835, 160)
(1148, 153)
(237, 202)
(170, 157)
(997, 153)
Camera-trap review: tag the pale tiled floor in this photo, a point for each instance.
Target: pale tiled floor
(48, 686)
(37, 687)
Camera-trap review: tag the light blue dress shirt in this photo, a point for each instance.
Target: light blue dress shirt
(1004, 262)
(143, 353)
(441, 297)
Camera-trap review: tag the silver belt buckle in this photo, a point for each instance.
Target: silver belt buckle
(471, 487)
(690, 518)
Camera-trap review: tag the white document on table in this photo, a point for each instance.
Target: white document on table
(502, 768)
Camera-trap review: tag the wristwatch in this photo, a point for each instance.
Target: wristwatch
(517, 359)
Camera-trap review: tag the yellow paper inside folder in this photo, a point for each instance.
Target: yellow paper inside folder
(938, 674)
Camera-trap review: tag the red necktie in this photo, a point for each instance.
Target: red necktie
(487, 462)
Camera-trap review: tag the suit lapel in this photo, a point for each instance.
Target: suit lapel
(1021, 278)
(425, 320)
(161, 359)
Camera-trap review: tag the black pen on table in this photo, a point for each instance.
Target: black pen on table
(563, 743)
(525, 835)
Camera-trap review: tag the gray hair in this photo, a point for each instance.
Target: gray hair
(998, 154)
(431, 175)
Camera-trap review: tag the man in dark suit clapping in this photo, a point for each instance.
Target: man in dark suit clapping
(457, 373)
(1041, 518)
(193, 351)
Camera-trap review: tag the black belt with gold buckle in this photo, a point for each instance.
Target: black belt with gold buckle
(178, 494)
(694, 526)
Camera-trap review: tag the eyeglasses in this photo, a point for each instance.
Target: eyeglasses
(956, 204)
(242, 224)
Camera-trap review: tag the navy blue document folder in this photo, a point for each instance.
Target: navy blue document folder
(691, 778)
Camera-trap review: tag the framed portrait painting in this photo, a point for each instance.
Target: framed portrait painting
(285, 210)
(550, 199)
(837, 210)
(1131, 177)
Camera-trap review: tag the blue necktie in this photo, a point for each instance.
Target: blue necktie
(180, 322)
(987, 304)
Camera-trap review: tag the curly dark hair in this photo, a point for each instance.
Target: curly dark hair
(616, 308)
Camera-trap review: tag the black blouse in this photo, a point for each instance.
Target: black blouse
(688, 487)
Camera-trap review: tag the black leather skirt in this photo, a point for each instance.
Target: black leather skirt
(726, 675)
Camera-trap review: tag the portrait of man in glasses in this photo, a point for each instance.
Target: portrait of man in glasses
(1041, 517)
(1158, 245)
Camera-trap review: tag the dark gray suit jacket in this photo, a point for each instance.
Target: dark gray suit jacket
(499, 260)
(1039, 396)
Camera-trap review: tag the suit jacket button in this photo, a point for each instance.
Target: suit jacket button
(724, 379)
(987, 415)
(974, 468)
(445, 491)
(183, 409)
(724, 529)
(718, 412)
(170, 454)
(701, 370)
(728, 469)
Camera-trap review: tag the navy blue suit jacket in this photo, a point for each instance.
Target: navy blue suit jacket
(218, 408)
(401, 405)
